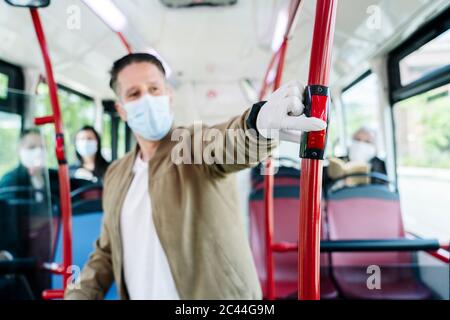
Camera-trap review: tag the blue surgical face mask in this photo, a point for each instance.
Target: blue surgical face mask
(361, 151)
(32, 158)
(150, 117)
(86, 147)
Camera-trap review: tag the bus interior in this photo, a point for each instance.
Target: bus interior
(389, 78)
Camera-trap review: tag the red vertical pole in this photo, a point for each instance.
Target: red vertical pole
(63, 172)
(280, 57)
(268, 200)
(268, 214)
(268, 190)
(280, 68)
(313, 146)
(265, 85)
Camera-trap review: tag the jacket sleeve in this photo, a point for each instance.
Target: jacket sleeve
(234, 145)
(97, 275)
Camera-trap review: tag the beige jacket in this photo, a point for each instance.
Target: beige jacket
(196, 216)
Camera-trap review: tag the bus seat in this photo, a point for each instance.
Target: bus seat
(86, 225)
(286, 211)
(87, 199)
(371, 212)
(26, 230)
(12, 287)
(9, 230)
(85, 231)
(286, 176)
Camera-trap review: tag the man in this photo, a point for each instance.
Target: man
(173, 230)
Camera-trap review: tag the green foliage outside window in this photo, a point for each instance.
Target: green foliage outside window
(425, 119)
(3, 86)
(9, 136)
(76, 111)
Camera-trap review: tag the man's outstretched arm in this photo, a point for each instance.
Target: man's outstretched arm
(249, 139)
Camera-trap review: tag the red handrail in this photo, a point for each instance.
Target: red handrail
(268, 198)
(311, 177)
(266, 83)
(268, 190)
(279, 56)
(294, 8)
(442, 255)
(63, 172)
(125, 42)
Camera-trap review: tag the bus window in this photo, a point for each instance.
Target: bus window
(106, 137)
(121, 145)
(77, 111)
(423, 152)
(333, 134)
(113, 126)
(360, 103)
(3, 86)
(113, 137)
(431, 57)
(10, 125)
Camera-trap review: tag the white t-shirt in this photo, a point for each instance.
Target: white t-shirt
(146, 269)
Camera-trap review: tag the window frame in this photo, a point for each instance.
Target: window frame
(16, 81)
(74, 92)
(109, 108)
(352, 84)
(355, 82)
(432, 80)
(61, 88)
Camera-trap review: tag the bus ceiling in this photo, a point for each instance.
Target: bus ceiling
(232, 54)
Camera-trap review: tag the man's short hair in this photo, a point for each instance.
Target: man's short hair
(129, 59)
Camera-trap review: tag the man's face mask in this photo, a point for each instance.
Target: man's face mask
(32, 158)
(362, 151)
(150, 117)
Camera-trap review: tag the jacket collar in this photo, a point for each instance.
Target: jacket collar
(162, 150)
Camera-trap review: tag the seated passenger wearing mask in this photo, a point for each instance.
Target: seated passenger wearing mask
(91, 165)
(29, 215)
(363, 150)
(362, 159)
(31, 170)
(173, 229)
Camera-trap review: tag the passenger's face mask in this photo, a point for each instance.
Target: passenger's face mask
(32, 158)
(150, 117)
(362, 151)
(86, 147)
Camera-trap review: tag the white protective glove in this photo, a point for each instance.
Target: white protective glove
(282, 115)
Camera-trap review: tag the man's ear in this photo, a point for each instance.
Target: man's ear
(121, 111)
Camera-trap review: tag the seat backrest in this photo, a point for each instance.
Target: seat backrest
(285, 176)
(85, 231)
(286, 219)
(27, 231)
(9, 230)
(365, 212)
(87, 199)
(286, 204)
